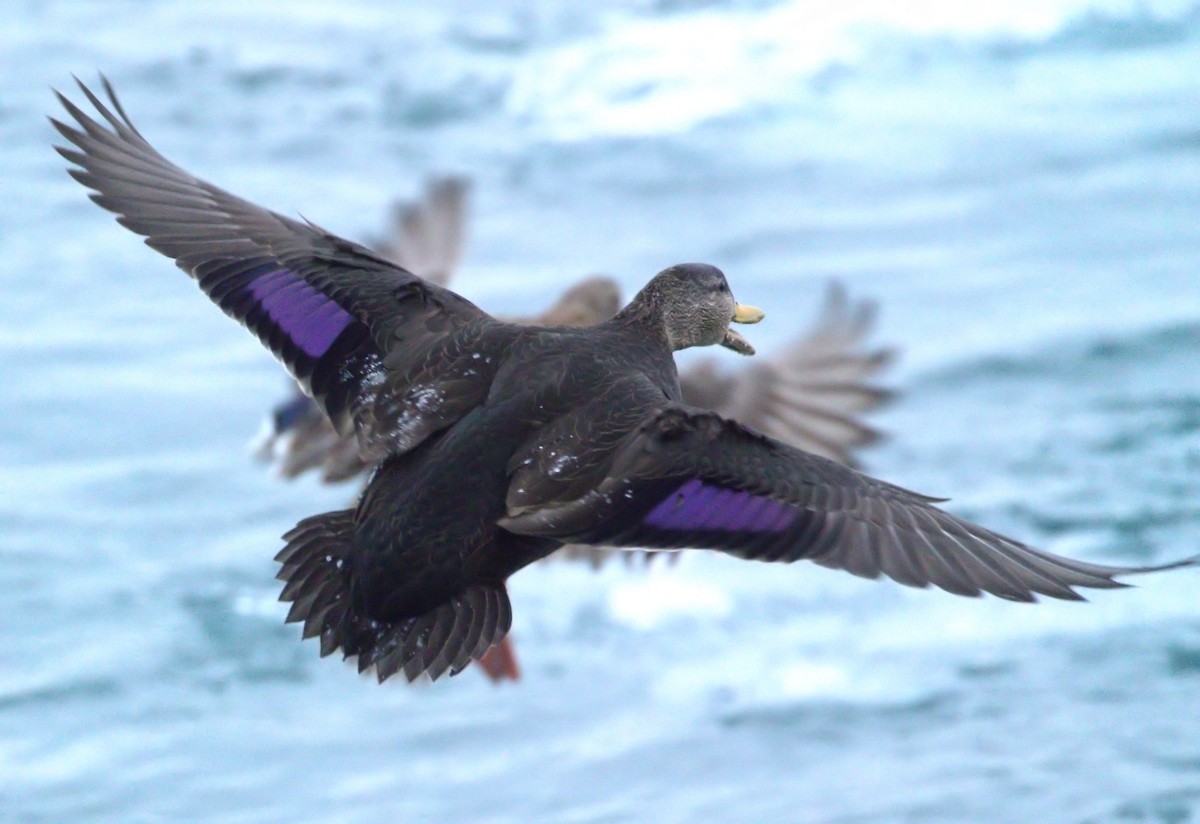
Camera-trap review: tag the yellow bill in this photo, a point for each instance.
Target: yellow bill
(747, 314)
(742, 314)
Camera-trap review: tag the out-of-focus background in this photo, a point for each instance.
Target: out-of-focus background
(1017, 184)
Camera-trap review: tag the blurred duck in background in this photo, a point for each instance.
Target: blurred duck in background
(811, 394)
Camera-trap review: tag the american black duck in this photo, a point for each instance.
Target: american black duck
(810, 394)
(498, 443)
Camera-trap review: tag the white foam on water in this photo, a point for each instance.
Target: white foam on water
(647, 601)
(656, 75)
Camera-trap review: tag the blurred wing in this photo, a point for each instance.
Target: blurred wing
(688, 478)
(299, 437)
(427, 235)
(811, 393)
(597, 556)
(350, 326)
(592, 300)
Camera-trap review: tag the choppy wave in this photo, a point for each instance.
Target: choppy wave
(653, 74)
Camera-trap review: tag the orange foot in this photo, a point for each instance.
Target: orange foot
(500, 662)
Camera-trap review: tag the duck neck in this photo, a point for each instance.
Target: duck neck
(645, 315)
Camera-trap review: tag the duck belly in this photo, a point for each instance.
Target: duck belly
(425, 528)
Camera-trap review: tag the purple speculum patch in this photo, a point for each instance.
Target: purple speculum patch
(310, 319)
(701, 506)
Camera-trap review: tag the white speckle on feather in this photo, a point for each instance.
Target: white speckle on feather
(560, 464)
(421, 401)
(370, 378)
(424, 398)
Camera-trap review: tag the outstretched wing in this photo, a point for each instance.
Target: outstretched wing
(687, 478)
(355, 330)
(812, 392)
(427, 234)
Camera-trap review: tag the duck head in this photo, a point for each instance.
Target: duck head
(696, 307)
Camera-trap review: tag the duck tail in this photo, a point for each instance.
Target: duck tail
(313, 576)
(446, 638)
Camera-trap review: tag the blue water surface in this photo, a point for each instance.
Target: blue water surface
(1017, 184)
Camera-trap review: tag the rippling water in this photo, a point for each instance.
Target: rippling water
(1018, 186)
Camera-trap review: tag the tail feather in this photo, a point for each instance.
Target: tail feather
(446, 638)
(314, 582)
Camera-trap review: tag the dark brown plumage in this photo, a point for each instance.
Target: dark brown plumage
(498, 443)
(811, 393)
